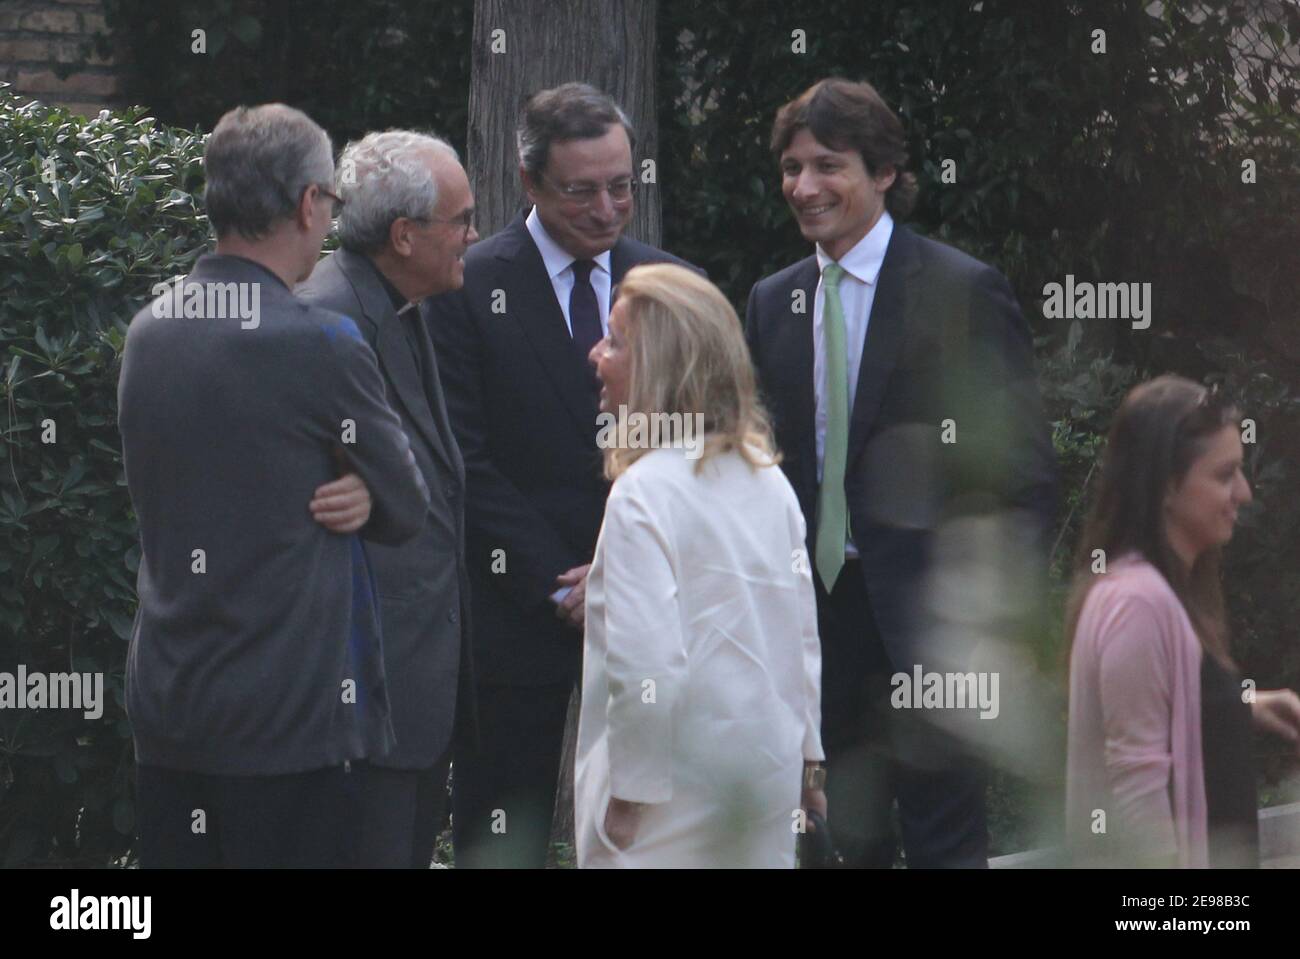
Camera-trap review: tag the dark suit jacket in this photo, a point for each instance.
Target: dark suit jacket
(946, 341)
(525, 416)
(423, 585)
(226, 433)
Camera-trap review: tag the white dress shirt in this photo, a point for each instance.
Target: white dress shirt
(857, 292)
(559, 267)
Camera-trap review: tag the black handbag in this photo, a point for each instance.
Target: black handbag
(817, 847)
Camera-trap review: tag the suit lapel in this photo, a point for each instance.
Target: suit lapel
(885, 332)
(530, 300)
(798, 350)
(439, 404)
(620, 261)
(393, 349)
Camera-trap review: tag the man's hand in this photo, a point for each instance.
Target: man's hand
(622, 819)
(342, 506)
(1277, 711)
(572, 608)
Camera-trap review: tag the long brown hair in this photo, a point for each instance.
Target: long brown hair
(1162, 427)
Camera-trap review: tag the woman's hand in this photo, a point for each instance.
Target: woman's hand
(814, 800)
(1277, 711)
(621, 821)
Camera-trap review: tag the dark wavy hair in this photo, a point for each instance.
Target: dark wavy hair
(844, 115)
(1162, 427)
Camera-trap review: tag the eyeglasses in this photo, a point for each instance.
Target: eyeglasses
(465, 220)
(584, 194)
(336, 201)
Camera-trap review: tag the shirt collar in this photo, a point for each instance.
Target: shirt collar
(400, 303)
(213, 258)
(553, 255)
(864, 260)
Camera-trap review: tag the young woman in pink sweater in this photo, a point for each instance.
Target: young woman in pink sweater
(1160, 768)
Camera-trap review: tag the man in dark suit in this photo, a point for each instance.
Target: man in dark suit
(512, 348)
(406, 222)
(899, 374)
(254, 676)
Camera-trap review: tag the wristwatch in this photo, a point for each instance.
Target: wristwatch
(814, 777)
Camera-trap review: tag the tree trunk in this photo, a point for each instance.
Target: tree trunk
(519, 48)
(543, 43)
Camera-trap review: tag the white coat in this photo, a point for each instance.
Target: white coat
(702, 669)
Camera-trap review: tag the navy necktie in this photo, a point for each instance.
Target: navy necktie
(584, 311)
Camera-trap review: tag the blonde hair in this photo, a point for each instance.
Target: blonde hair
(688, 356)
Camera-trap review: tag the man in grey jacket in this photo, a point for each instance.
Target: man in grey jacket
(407, 220)
(254, 675)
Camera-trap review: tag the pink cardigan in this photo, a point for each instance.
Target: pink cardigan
(1135, 719)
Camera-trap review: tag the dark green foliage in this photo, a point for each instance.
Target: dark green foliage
(82, 240)
(1111, 166)
(351, 66)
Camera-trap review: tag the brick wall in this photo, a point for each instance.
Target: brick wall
(38, 35)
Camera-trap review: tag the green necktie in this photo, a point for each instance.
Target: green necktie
(832, 507)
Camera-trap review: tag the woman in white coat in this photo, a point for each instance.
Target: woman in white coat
(698, 742)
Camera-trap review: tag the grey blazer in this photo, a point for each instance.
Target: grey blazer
(423, 584)
(242, 656)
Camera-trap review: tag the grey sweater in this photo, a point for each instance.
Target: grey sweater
(239, 661)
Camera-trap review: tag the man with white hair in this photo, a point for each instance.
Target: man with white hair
(406, 221)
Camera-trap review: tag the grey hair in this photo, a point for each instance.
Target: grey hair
(573, 111)
(384, 176)
(258, 161)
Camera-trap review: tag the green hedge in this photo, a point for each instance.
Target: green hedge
(92, 214)
(352, 65)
